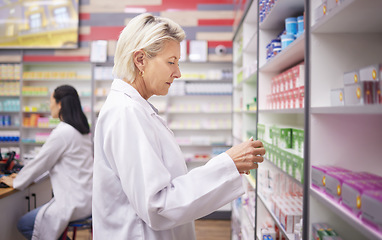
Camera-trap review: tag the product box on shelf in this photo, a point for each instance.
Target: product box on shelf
(372, 208)
(363, 86)
(321, 231)
(337, 97)
(335, 180)
(319, 173)
(353, 190)
(319, 12)
(298, 168)
(370, 73)
(285, 139)
(298, 141)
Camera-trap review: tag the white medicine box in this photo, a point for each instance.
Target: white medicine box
(337, 97)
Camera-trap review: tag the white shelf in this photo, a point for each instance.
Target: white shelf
(209, 80)
(32, 143)
(200, 95)
(251, 46)
(9, 144)
(280, 11)
(35, 96)
(346, 215)
(239, 60)
(38, 128)
(352, 16)
(9, 128)
(287, 235)
(251, 78)
(285, 173)
(366, 109)
(57, 80)
(199, 112)
(200, 128)
(288, 57)
(204, 145)
(36, 112)
(9, 112)
(283, 111)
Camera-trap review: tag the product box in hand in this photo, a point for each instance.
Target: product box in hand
(352, 190)
(319, 174)
(335, 180)
(337, 97)
(372, 208)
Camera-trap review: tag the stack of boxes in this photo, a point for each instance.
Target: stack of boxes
(359, 192)
(265, 7)
(361, 87)
(294, 27)
(284, 147)
(287, 89)
(10, 71)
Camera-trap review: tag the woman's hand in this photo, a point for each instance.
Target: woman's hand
(247, 154)
(7, 180)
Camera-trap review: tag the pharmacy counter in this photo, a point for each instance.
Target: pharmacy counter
(14, 204)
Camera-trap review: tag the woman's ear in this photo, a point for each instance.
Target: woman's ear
(139, 59)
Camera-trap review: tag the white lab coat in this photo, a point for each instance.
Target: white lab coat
(141, 187)
(68, 157)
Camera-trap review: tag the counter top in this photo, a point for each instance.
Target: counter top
(6, 192)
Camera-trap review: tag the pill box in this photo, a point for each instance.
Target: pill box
(319, 174)
(335, 180)
(372, 208)
(337, 97)
(352, 191)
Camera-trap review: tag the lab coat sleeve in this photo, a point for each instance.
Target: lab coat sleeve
(160, 201)
(46, 158)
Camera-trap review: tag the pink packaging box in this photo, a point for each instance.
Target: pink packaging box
(319, 174)
(334, 181)
(352, 191)
(372, 208)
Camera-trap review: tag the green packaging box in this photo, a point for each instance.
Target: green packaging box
(285, 138)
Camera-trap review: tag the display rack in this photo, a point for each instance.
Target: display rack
(38, 81)
(347, 37)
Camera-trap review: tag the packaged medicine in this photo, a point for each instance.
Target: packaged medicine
(372, 208)
(319, 174)
(352, 190)
(337, 97)
(335, 180)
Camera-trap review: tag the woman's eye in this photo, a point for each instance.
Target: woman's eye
(171, 63)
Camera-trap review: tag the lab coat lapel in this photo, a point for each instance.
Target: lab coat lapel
(127, 89)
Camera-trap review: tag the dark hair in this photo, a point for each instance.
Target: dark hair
(71, 111)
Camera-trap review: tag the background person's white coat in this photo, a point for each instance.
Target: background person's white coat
(141, 186)
(68, 157)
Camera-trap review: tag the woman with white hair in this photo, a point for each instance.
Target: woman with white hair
(142, 189)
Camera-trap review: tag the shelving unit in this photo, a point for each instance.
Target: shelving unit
(38, 81)
(346, 38)
(10, 74)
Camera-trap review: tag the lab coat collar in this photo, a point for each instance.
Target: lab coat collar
(122, 86)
